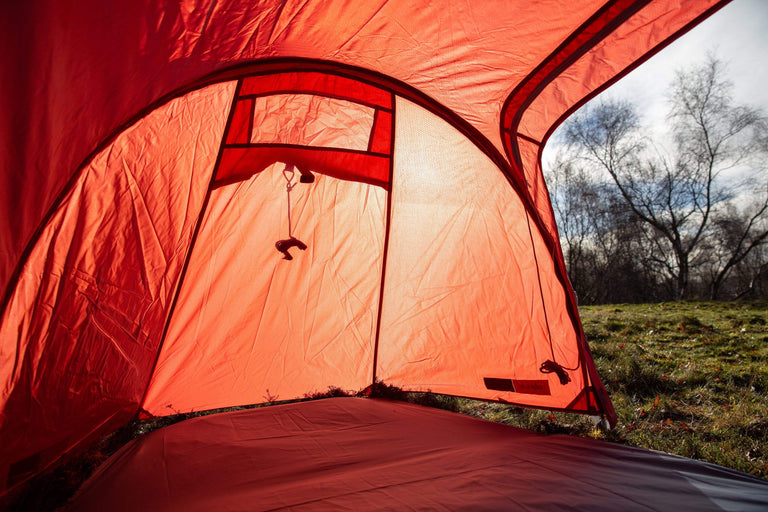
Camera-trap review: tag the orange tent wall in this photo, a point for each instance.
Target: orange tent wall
(252, 327)
(82, 330)
(462, 299)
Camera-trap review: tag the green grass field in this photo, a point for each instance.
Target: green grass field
(685, 378)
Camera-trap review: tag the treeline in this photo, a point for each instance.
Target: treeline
(684, 217)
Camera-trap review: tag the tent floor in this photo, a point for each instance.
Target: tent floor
(368, 454)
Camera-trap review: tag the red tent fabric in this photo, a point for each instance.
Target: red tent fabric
(151, 157)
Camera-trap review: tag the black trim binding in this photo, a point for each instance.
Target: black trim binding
(373, 130)
(608, 27)
(250, 118)
(529, 139)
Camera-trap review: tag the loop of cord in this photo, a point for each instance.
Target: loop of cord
(550, 366)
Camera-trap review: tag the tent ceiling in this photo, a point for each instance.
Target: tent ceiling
(77, 80)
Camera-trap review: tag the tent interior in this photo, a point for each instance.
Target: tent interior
(211, 204)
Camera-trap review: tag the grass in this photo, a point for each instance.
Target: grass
(685, 378)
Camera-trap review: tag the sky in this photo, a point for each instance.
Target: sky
(737, 35)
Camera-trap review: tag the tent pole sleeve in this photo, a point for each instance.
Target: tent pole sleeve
(388, 221)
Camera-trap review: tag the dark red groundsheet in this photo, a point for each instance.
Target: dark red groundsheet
(365, 454)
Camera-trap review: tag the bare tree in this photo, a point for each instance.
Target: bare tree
(678, 193)
(601, 238)
(573, 193)
(737, 235)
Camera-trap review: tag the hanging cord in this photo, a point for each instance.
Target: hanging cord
(288, 174)
(550, 365)
(284, 245)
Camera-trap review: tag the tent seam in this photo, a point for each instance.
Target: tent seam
(387, 230)
(193, 240)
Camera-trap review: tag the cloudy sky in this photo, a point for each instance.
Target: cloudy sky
(737, 34)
